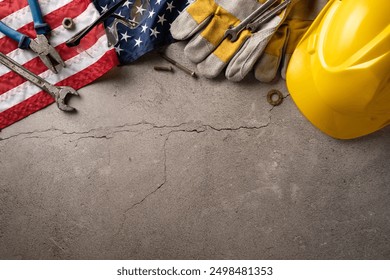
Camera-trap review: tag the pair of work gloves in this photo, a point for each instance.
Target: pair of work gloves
(266, 50)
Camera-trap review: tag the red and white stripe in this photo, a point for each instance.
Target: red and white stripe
(20, 98)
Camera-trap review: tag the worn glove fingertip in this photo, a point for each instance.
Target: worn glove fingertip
(234, 74)
(198, 49)
(211, 67)
(183, 26)
(266, 68)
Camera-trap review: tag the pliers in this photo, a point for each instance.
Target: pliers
(40, 45)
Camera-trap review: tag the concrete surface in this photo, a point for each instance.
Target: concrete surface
(162, 166)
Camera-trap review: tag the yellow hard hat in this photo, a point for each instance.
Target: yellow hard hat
(339, 74)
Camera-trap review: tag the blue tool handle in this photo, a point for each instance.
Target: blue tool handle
(40, 26)
(23, 40)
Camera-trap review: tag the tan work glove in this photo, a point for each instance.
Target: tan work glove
(283, 43)
(207, 20)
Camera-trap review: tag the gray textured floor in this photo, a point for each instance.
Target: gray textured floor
(162, 166)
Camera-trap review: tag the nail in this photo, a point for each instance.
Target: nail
(178, 65)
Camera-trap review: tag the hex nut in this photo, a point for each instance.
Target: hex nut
(68, 23)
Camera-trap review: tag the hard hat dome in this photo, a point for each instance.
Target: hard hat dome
(339, 74)
(351, 26)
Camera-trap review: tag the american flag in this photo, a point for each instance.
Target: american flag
(20, 98)
(153, 18)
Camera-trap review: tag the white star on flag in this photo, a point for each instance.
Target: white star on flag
(170, 6)
(151, 13)
(154, 32)
(161, 19)
(138, 42)
(125, 36)
(140, 10)
(127, 4)
(144, 28)
(118, 49)
(104, 9)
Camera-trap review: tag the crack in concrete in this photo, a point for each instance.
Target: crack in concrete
(30, 133)
(274, 106)
(199, 129)
(161, 185)
(92, 137)
(63, 132)
(194, 127)
(57, 245)
(108, 133)
(152, 192)
(238, 128)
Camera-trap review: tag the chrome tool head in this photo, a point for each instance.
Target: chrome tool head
(46, 52)
(112, 30)
(61, 97)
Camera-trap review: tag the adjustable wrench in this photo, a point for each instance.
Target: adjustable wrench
(233, 32)
(59, 93)
(255, 25)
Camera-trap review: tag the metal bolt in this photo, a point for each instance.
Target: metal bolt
(163, 68)
(68, 23)
(178, 65)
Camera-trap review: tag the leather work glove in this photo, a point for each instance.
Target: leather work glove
(208, 20)
(280, 48)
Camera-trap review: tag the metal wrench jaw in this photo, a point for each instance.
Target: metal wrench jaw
(46, 52)
(112, 30)
(255, 25)
(75, 40)
(232, 34)
(61, 95)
